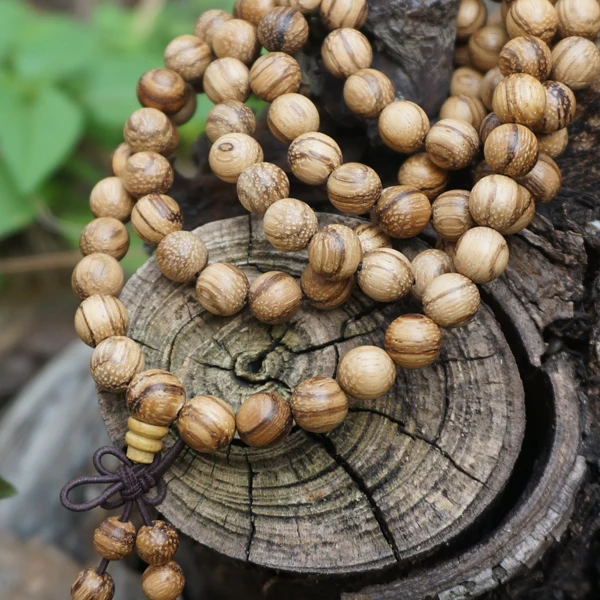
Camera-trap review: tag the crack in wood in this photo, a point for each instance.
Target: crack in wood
(250, 508)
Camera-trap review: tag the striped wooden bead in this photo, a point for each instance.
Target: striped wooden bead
(148, 173)
(261, 185)
(451, 300)
(559, 110)
(403, 126)
(367, 92)
(335, 252)
(230, 116)
(157, 544)
(346, 51)
(162, 89)
(481, 255)
(283, 29)
(264, 420)
(428, 265)
(292, 115)
(165, 582)
(371, 237)
(354, 188)
(464, 108)
(97, 274)
(275, 74)
(544, 181)
(275, 297)
(451, 216)
(114, 363)
(385, 275)
(313, 157)
(419, 171)
(155, 216)
(181, 255)
(526, 54)
(226, 79)
(511, 150)
(151, 130)
(114, 539)
(403, 211)
(88, 585)
(323, 293)
(189, 56)
(366, 372)
(99, 318)
(452, 144)
(319, 404)
(413, 341)
(289, 224)
(336, 14)
(110, 198)
(105, 235)
(222, 289)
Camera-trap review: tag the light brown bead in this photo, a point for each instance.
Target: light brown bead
(304, 6)
(88, 585)
(481, 254)
(283, 29)
(560, 108)
(109, 198)
(222, 289)
(335, 252)
(119, 159)
(420, 172)
(413, 341)
(206, 424)
(354, 188)
(452, 144)
(403, 126)
(466, 82)
(346, 51)
(155, 216)
(292, 115)
(532, 17)
(461, 57)
(148, 173)
(232, 153)
(236, 39)
(489, 124)
(275, 297)
(488, 86)
(188, 111)
(367, 92)
(114, 539)
(144, 440)
(544, 181)
(264, 420)
(366, 372)
(385, 275)
(451, 300)
(227, 79)
(162, 89)
(100, 317)
(575, 62)
(464, 108)
(114, 363)
(403, 211)
(428, 265)
(519, 98)
(336, 14)
(511, 150)
(261, 185)
(105, 235)
(526, 54)
(323, 293)
(289, 224)
(319, 404)
(209, 22)
(230, 116)
(275, 74)
(165, 582)
(313, 157)
(527, 215)
(578, 17)
(157, 544)
(97, 274)
(181, 255)
(485, 46)
(472, 15)
(189, 56)
(553, 144)
(372, 237)
(253, 10)
(451, 216)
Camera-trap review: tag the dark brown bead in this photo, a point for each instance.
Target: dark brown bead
(90, 586)
(264, 420)
(162, 89)
(157, 544)
(114, 539)
(283, 30)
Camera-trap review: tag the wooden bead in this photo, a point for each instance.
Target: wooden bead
(109, 198)
(466, 82)
(119, 159)
(544, 181)
(283, 29)
(485, 46)
(143, 440)
(575, 62)
(227, 79)
(511, 150)
(157, 544)
(319, 404)
(527, 214)
(222, 289)
(114, 539)
(232, 153)
(323, 293)
(366, 372)
(452, 144)
(403, 211)
(275, 74)
(489, 124)
(165, 582)
(188, 56)
(147, 173)
(464, 108)
(472, 15)
(481, 254)
(186, 114)
(100, 317)
(451, 216)
(236, 39)
(292, 115)
(372, 237)
(206, 424)
(261, 185)
(403, 126)
(532, 17)
(231, 116)
(253, 10)
(264, 420)
(313, 157)
(335, 252)
(289, 224)
(162, 89)
(385, 275)
(560, 108)
(181, 255)
(481, 170)
(451, 300)
(105, 235)
(354, 188)
(488, 86)
(90, 586)
(578, 17)
(336, 14)
(114, 363)
(413, 341)
(346, 51)
(155, 216)
(526, 54)
(553, 144)
(461, 57)
(428, 265)
(304, 6)
(208, 23)
(275, 297)
(367, 92)
(97, 274)
(420, 172)
(519, 98)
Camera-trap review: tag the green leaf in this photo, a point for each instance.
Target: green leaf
(6, 489)
(15, 211)
(13, 18)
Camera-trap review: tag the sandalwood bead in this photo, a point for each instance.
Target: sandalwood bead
(209, 22)
(578, 17)
(560, 108)
(206, 424)
(450, 214)
(526, 54)
(466, 82)
(119, 159)
(274, 297)
(488, 86)
(105, 235)
(292, 115)
(114, 539)
(319, 404)
(532, 17)
(403, 126)
(335, 252)
(189, 56)
(100, 317)
(367, 92)
(544, 181)
(226, 79)
(264, 420)
(230, 116)
(413, 341)
(553, 144)
(490, 123)
(575, 62)
(97, 274)
(372, 237)
(403, 211)
(511, 150)
(275, 74)
(110, 198)
(164, 582)
(354, 188)
(313, 157)
(481, 254)
(366, 372)
(346, 51)
(147, 173)
(527, 214)
(222, 289)
(114, 363)
(157, 544)
(428, 265)
(461, 57)
(253, 10)
(336, 14)
(464, 108)
(232, 153)
(451, 300)
(304, 6)
(155, 216)
(289, 224)
(181, 255)
(485, 46)
(188, 111)
(90, 586)
(162, 89)
(261, 185)
(452, 144)
(323, 293)
(143, 440)
(519, 98)
(151, 130)
(472, 15)
(236, 39)
(420, 172)
(283, 29)
(385, 275)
